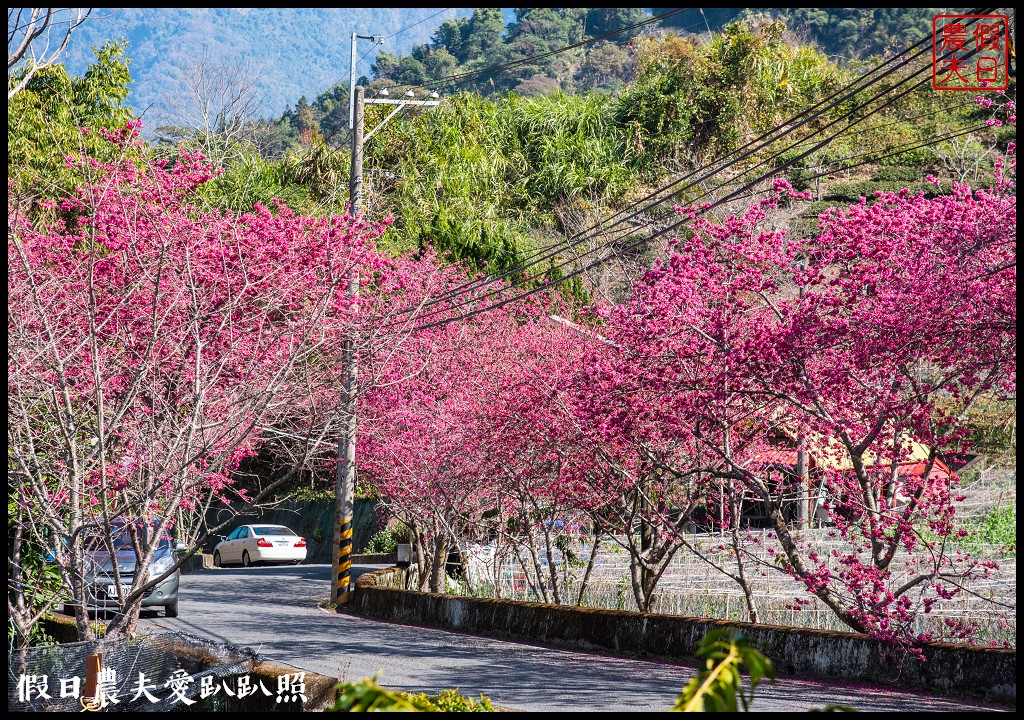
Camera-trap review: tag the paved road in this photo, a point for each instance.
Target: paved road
(275, 611)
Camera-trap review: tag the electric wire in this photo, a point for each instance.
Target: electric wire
(569, 244)
(546, 254)
(420, 22)
(802, 143)
(580, 270)
(717, 203)
(724, 163)
(886, 153)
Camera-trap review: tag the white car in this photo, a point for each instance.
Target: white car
(251, 544)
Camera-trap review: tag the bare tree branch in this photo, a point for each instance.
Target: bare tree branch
(27, 29)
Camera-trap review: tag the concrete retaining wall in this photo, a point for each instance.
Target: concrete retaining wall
(990, 673)
(312, 520)
(375, 559)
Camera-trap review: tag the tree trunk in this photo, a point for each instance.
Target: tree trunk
(439, 557)
(590, 563)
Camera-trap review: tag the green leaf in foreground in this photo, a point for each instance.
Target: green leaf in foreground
(718, 686)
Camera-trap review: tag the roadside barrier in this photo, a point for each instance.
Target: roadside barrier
(989, 673)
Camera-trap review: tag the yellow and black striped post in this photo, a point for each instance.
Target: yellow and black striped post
(342, 574)
(345, 481)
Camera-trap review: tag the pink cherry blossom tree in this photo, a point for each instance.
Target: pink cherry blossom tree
(149, 339)
(418, 442)
(844, 343)
(529, 440)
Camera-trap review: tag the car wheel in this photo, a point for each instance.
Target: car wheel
(296, 562)
(216, 559)
(246, 562)
(172, 609)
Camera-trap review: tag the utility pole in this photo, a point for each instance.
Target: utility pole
(345, 476)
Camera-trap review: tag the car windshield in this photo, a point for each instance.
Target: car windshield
(271, 530)
(121, 541)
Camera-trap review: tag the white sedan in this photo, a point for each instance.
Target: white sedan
(251, 544)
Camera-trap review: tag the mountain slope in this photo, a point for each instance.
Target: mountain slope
(300, 51)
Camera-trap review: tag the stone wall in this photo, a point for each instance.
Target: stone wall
(990, 673)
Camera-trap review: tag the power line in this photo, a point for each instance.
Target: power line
(578, 271)
(409, 27)
(476, 285)
(840, 96)
(876, 157)
(433, 84)
(677, 224)
(741, 153)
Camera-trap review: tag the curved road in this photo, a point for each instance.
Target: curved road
(275, 610)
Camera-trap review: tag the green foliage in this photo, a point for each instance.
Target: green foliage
(473, 177)
(993, 426)
(898, 174)
(606, 68)
(45, 122)
(851, 192)
(488, 180)
(41, 580)
(381, 542)
(483, 40)
(312, 178)
(368, 696)
(996, 528)
(568, 147)
(253, 180)
(701, 100)
(846, 32)
(719, 685)
(999, 527)
(860, 32)
(314, 494)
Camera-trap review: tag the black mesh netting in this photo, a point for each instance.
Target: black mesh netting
(173, 665)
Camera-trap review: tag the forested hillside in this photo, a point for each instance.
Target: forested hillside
(853, 33)
(287, 52)
(500, 168)
(466, 44)
(519, 157)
